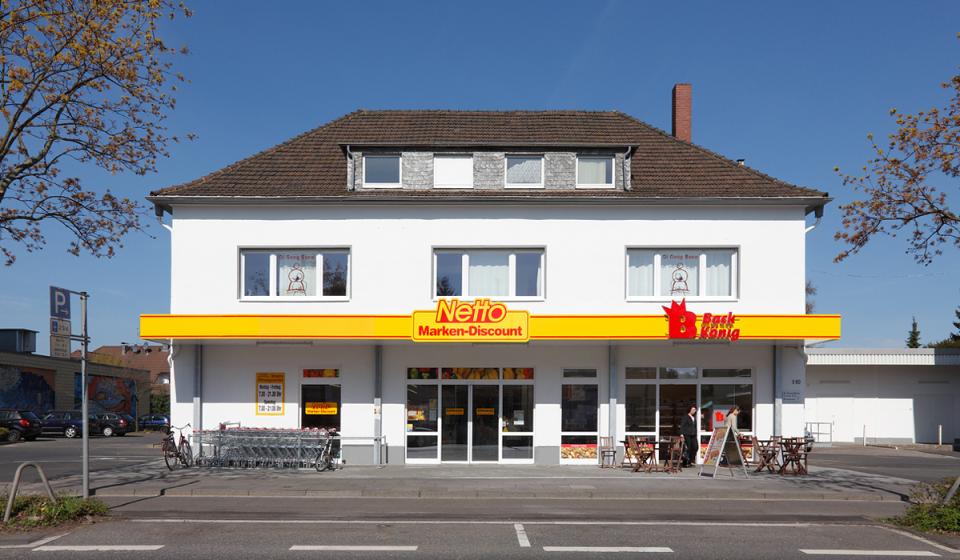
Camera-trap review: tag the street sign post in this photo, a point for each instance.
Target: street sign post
(60, 337)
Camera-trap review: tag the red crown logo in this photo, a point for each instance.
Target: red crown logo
(683, 323)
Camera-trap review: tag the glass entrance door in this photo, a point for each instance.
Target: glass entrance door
(455, 424)
(486, 423)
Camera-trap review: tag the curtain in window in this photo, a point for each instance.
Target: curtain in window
(640, 273)
(528, 274)
(296, 274)
(523, 170)
(679, 273)
(595, 171)
(489, 273)
(718, 272)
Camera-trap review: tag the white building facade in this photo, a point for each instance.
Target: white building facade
(487, 287)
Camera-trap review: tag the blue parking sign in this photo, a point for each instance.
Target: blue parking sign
(59, 303)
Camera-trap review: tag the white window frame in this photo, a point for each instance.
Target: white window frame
(368, 185)
(509, 185)
(701, 279)
(613, 172)
(273, 273)
(462, 156)
(512, 272)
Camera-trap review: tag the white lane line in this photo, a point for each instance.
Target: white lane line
(855, 552)
(607, 549)
(354, 548)
(927, 542)
(98, 548)
(521, 535)
(480, 522)
(35, 543)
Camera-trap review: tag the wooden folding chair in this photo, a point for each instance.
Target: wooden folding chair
(607, 451)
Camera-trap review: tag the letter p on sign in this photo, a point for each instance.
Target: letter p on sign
(59, 303)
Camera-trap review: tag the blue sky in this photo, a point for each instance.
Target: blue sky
(791, 87)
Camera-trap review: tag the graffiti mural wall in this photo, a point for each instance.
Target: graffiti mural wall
(26, 389)
(108, 394)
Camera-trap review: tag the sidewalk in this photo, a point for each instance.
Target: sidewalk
(495, 481)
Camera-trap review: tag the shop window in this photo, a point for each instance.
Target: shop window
(681, 273)
(422, 408)
(717, 400)
(578, 412)
(320, 406)
(293, 273)
(518, 408)
(678, 373)
(452, 171)
(518, 373)
(421, 373)
(470, 373)
(641, 408)
(568, 373)
(381, 171)
(578, 447)
(524, 172)
(517, 447)
(595, 172)
(675, 402)
(641, 373)
(727, 373)
(501, 273)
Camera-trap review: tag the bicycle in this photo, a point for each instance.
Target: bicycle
(326, 456)
(176, 454)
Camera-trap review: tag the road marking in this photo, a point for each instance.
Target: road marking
(98, 548)
(34, 543)
(521, 535)
(607, 549)
(927, 542)
(444, 522)
(854, 552)
(349, 548)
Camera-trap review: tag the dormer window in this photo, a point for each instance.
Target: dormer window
(381, 171)
(452, 171)
(594, 172)
(524, 172)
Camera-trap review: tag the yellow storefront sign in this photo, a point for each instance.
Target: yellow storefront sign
(486, 321)
(485, 412)
(320, 408)
(477, 321)
(453, 411)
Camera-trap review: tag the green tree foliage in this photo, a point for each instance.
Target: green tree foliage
(913, 336)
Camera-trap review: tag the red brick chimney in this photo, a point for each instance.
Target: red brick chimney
(682, 110)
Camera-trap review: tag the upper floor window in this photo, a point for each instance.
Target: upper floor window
(294, 273)
(681, 273)
(524, 171)
(595, 172)
(504, 273)
(381, 171)
(452, 171)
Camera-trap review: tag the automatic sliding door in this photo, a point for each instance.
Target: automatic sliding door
(453, 434)
(486, 422)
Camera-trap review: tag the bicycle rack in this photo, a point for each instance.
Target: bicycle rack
(16, 486)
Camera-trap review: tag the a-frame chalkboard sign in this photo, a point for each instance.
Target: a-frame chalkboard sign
(723, 442)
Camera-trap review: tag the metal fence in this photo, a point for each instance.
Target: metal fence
(821, 432)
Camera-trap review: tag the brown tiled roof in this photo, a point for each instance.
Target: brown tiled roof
(313, 164)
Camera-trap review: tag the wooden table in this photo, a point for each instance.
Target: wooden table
(767, 454)
(794, 456)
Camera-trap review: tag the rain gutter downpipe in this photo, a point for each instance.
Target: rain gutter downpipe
(818, 213)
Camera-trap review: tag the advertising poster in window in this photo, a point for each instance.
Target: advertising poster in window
(321, 408)
(297, 274)
(270, 393)
(679, 273)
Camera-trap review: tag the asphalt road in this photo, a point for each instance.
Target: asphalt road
(900, 463)
(506, 538)
(60, 456)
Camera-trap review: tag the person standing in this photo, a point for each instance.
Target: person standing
(731, 421)
(688, 429)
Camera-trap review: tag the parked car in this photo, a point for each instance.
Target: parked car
(112, 424)
(154, 422)
(21, 423)
(131, 422)
(69, 423)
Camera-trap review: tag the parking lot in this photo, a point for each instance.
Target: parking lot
(60, 456)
